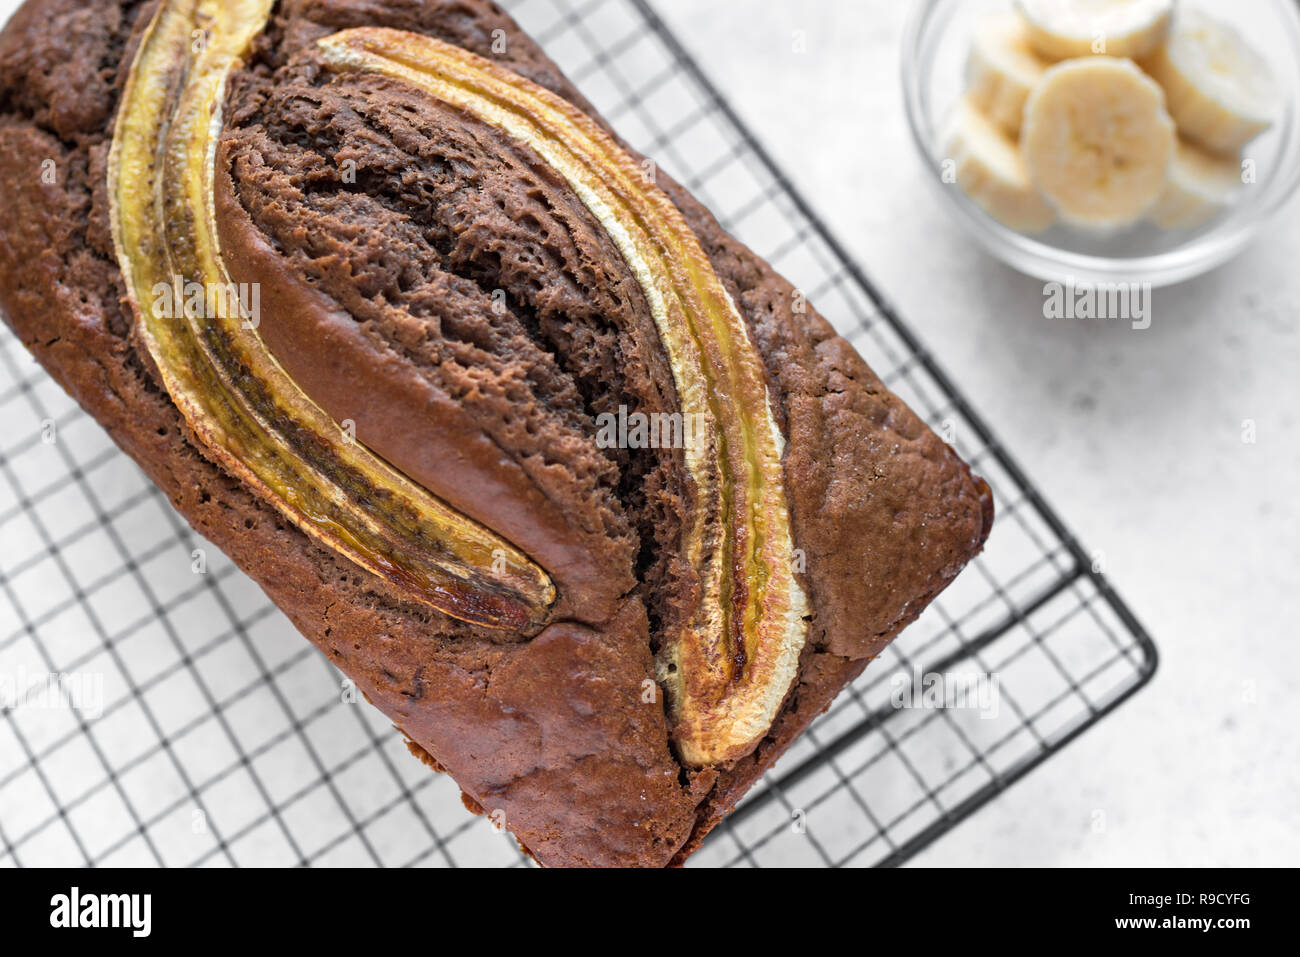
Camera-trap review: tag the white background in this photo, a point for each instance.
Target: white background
(1134, 436)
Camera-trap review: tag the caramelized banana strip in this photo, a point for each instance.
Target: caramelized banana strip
(236, 399)
(730, 670)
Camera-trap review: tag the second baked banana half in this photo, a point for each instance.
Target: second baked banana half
(731, 666)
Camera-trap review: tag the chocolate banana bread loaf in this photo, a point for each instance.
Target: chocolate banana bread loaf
(574, 488)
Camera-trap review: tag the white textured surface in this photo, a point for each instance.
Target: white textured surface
(1134, 436)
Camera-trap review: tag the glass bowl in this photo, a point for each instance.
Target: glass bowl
(936, 41)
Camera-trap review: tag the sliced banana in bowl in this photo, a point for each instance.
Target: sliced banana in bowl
(1098, 142)
(1201, 186)
(988, 166)
(1003, 69)
(1061, 29)
(1108, 138)
(1221, 92)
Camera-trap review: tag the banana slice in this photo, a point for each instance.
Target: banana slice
(989, 168)
(1220, 91)
(1061, 29)
(1002, 69)
(1201, 186)
(1097, 141)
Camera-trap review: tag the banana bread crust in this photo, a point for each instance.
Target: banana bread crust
(552, 730)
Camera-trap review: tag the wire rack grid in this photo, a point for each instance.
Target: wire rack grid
(156, 709)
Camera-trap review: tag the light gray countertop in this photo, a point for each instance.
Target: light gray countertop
(1134, 436)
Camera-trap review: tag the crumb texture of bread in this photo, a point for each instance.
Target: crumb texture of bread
(482, 321)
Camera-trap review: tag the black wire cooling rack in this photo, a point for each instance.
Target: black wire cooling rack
(158, 710)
